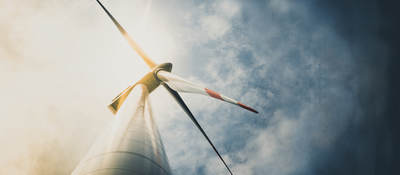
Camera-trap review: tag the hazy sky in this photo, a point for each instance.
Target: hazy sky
(320, 73)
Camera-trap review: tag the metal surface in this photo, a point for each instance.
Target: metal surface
(132, 145)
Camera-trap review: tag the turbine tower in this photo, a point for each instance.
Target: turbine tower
(133, 144)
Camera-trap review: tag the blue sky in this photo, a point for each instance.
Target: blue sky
(316, 72)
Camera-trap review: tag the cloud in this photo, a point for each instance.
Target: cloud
(312, 73)
(215, 26)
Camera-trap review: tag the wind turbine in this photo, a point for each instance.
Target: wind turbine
(160, 74)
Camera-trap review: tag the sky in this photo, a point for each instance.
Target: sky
(322, 74)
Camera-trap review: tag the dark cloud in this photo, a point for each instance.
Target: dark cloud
(371, 145)
(332, 68)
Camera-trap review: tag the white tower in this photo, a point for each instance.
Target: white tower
(132, 145)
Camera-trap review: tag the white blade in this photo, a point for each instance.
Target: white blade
(181, 85)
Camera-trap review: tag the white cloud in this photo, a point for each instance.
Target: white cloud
(281, 6)
(215, 26)
(228, 8)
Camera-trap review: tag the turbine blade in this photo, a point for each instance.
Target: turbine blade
(119, 99)
(131, 42)
(180, 101)
(181, 85)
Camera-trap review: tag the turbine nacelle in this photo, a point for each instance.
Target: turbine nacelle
(150, 80)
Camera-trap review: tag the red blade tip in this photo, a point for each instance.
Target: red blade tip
(248, 108)
(213, 94)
